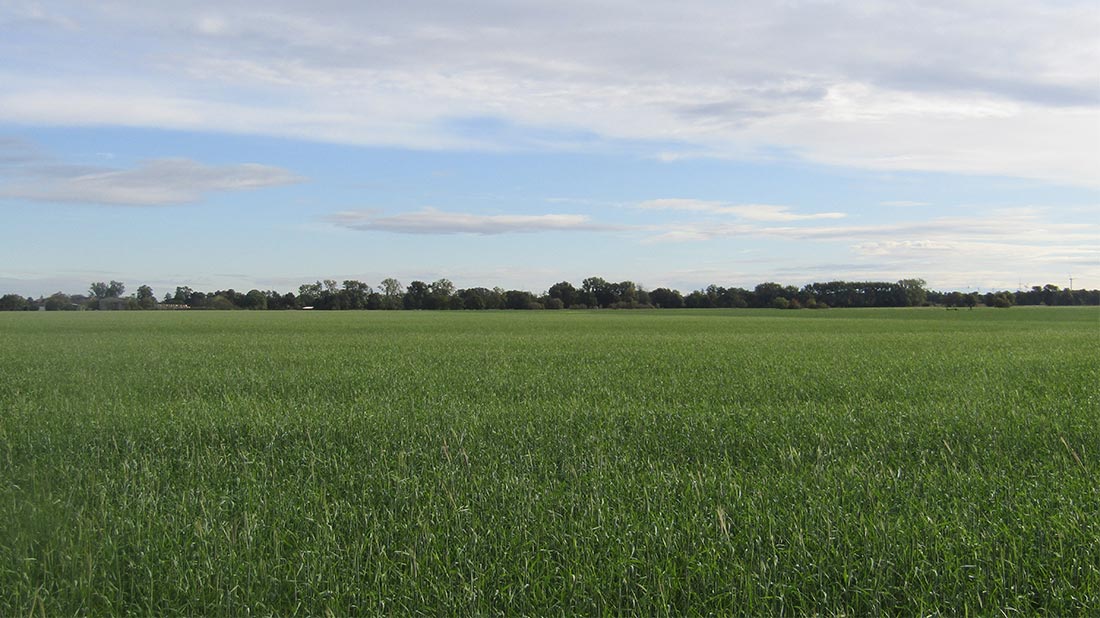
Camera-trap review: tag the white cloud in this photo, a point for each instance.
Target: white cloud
(969, 87)
(1003, 225)
(17, 12)
(152, 183)
(998, 249)
(895, 247)
(750, 212)
(211, 25)
(432, 221)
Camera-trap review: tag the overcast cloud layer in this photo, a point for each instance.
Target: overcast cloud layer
(963, 86)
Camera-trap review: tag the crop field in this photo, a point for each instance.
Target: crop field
(837, 462)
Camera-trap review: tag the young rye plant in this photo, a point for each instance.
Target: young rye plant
(898, 461)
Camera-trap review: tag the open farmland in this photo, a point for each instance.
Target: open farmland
(901, 461)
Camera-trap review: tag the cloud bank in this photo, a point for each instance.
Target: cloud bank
(970, 86)
(29, 175)
(751, 212)
(432, 221)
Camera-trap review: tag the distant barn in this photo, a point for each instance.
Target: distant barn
(113, 304)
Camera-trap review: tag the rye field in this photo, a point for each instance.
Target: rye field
(837, 462)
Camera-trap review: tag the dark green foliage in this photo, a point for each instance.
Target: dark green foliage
(14, 302)
(59, 302)
(666, 299)
(565, 292)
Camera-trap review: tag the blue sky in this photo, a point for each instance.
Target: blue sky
(265, 145)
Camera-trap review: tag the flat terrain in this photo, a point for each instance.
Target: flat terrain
(899, 461)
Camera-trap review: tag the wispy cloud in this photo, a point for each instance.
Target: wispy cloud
(432, 221)
(1000, 247)
(960, 89)
(34, 13)
(896, 247)
(15, 152)
(750, 212)
(1004, 225)
(152, 183)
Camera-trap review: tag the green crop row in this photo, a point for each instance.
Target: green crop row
(843, 462)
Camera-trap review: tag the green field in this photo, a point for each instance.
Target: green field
(839, 462)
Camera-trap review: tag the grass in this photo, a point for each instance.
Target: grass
(842, 462)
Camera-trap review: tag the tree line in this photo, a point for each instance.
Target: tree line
(592, 293)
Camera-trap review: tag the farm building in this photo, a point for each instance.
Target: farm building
(113, 304)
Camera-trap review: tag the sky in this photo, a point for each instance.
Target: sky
(517, 144)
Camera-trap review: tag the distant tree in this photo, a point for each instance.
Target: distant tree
(714, 295)
(439, 294)
(233, 296)
(442, 287)
(392, 293)
(519, 299)
(276, 301)
(913, 291)
(554, 303)
(114, 289)
(145, 298)
(310, 293)
(598, 291)
(1050, 294)
(415, 295)
(355, 294)
(698, 300)
(181, 297)
(474, 302)
(624, 292)
(220, 302)
(59, 301)
(666, 298)
(255, 300)
(480, 298)
(563, 291)
(13, 302)
(765, 294)
(780, 303)
(737, 298)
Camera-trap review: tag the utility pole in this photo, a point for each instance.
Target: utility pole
(1071, 283)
